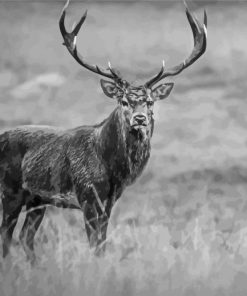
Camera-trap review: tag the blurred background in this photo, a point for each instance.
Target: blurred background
(186, 217)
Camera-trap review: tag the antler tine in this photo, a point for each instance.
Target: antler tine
(156, 77)
(200, 43)
(205, 21)
(112, 70)
(70, 43)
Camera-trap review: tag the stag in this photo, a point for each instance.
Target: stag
(41, 166)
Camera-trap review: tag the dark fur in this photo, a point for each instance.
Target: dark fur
(94, 162)
(40, 166)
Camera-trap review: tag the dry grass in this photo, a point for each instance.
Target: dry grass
(192, 247)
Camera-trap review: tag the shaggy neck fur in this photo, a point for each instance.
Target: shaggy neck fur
(124, 151)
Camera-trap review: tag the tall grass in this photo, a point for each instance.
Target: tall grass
(200, 249)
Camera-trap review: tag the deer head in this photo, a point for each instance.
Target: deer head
(136, 102)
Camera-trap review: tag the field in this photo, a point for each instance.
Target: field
(181, 229)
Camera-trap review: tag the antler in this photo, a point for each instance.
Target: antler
(200, 43)
(70, 43)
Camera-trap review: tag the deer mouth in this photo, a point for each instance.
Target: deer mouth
(139, 131)
(137, 126)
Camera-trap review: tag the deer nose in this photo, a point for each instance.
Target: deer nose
(140, 119)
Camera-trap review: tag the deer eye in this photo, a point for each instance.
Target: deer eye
(124, 103)
(150, 103)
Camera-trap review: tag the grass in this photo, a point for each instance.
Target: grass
(195, 246)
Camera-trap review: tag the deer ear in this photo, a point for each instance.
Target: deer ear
(162, 91)
(110, 89)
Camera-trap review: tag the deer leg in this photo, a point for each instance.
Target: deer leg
(101, 242)
(96, 227)
(96, 216)
(96, 203)
(12, 205)
(34, 217)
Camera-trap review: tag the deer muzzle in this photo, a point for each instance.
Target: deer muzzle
(139, 119)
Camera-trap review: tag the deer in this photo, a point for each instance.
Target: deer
(44, 165)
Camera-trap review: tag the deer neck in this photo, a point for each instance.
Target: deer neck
(112, 136)
(122, 150)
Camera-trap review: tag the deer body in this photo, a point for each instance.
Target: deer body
(101, 159)
(42, 166)
(73, 160)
